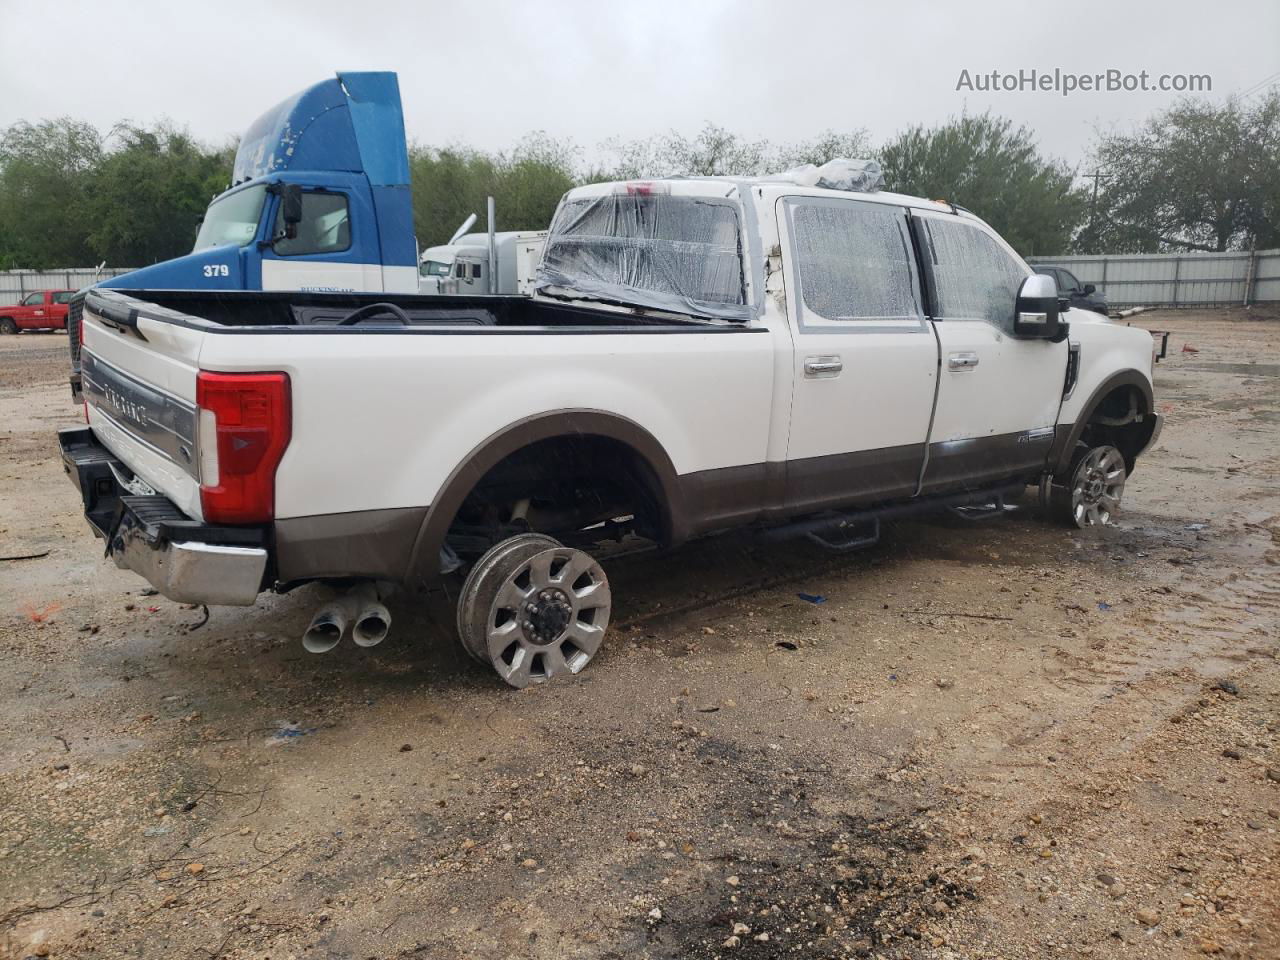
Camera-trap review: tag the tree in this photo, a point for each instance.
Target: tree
(988, 165)
(148, 194)
(1198, 176)
(450, 183)
(827, 146)
(44, 183)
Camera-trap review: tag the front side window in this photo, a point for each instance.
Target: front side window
(64, 296)
(974, 276)
(434, 268)
(33, 300)
(855, 262)
(232, 218)
(325, 226)
(1069, 281)
(669, 252)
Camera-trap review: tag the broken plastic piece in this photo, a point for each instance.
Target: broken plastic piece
(859, 176)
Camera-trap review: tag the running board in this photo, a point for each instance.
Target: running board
(853, 519)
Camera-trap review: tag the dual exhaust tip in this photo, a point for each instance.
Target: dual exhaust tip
(361, 609)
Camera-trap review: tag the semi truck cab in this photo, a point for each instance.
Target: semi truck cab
(319, 202)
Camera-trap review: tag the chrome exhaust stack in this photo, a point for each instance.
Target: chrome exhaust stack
(372, 618)
(359, 608)
(327, 626)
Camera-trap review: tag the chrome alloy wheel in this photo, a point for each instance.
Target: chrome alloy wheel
(1097, 484)
(534, 612)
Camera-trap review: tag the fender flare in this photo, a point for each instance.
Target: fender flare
(1065, 443)
(424, 560)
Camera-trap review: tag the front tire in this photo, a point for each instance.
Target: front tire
(1089, 492)
(534, 610)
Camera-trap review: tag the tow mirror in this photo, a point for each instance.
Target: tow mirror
(291, 208)
(1089, 288)
(1036, 310)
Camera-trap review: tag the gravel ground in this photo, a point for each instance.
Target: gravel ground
(1003, 740)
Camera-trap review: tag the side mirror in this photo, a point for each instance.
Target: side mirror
(1089, 288)
(291, 208)
(1036, 310)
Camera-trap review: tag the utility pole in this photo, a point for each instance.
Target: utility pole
(1093, 203)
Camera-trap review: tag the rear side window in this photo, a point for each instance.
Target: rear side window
(975, 277)
(854, 262)
(658, 250)
(63, 296)
(325, 226)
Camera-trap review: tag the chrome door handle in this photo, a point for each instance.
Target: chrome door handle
(822, 366)
(962, 361)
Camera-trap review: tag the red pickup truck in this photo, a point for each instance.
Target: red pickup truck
(41, 310)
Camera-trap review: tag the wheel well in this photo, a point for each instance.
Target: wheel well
(560, 485)
(1121, 420)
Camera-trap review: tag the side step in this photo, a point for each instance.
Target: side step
(854, 530)
(847, 534)
(975, 512)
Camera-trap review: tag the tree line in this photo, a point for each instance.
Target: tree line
(1196, 176)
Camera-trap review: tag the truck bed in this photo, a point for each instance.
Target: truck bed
(259, 309)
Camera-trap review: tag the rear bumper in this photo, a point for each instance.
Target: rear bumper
(186, 560)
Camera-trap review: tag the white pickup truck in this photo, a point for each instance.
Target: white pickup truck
(701, 354)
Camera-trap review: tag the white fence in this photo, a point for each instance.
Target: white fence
(1126, 280)
(1178, 279)
(16, 284)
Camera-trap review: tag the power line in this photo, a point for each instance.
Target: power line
(1261, 85)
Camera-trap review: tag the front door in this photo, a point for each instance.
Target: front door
(334, 249)
(865, 357)
(998, 396)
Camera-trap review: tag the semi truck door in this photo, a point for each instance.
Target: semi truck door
(998, 396)
(335, 249)
(865, 358)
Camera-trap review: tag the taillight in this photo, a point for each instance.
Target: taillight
(244, 429)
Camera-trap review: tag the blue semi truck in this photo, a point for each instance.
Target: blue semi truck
(319, 201)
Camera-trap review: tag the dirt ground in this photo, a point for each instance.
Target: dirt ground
(1006, 739)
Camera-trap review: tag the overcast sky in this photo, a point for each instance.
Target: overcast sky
(484, 72)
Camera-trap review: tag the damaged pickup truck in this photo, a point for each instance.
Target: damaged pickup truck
(804, 354)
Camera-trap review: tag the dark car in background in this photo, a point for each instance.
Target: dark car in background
(1083, 295)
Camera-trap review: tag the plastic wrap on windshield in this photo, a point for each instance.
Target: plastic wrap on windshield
(859, 176)
(675, 253)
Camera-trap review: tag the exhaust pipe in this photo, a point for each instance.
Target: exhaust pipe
(327, 626)
(372, 619)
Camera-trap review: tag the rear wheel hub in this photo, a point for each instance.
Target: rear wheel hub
(546, 616)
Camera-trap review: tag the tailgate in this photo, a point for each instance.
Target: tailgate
(139, 383)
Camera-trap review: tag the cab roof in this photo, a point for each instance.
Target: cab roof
(730, 186)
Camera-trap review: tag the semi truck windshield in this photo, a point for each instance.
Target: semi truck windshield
(232, 218)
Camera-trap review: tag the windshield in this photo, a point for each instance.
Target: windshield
(434, 268)
(232, 218)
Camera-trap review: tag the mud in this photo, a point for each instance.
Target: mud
(1003, 739)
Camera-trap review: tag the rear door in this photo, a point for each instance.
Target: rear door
(998, 396)
(865, 358)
